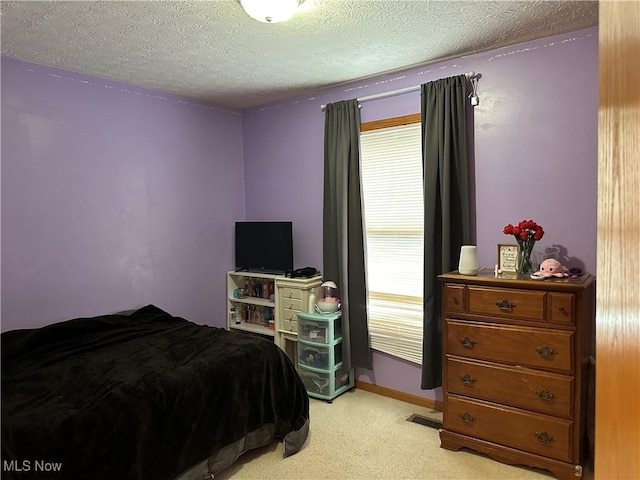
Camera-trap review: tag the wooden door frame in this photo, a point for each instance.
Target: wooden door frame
(617, 417)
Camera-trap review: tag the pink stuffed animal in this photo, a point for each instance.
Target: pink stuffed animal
(552, 268)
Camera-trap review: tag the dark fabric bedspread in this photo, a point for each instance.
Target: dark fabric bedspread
(144, 396)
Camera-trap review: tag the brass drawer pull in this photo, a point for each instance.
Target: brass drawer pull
(546, 351)
(545, 394)
(467, 379)
(467, 417)
(467, 342)
(505, 305)
(544, 437)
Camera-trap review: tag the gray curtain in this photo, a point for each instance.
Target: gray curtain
(446, 205)
(343, 230)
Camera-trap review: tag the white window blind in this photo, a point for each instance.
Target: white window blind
(394, 227)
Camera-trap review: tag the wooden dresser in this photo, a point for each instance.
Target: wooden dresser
(515, 368)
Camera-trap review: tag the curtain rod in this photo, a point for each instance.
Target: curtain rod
(394, 92)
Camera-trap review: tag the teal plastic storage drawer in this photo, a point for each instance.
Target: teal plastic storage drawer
(319, 331)
(319, 356)
(325, 385)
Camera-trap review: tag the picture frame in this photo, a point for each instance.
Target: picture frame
(507, 257)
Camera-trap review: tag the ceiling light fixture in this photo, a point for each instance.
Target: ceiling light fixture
(271, 11)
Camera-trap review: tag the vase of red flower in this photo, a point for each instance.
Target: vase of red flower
(527, 233)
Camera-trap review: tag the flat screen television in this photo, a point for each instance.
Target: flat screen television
(264, 246)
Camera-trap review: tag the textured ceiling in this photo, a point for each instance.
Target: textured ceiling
(212, 51)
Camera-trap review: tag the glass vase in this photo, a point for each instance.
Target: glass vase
(524, 266)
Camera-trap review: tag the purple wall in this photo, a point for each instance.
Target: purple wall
(535, 139)
(113, 197)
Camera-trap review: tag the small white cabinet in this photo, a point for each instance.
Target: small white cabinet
(292, 297)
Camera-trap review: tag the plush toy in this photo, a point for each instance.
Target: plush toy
(552, 268)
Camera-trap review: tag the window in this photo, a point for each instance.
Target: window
(391, 155)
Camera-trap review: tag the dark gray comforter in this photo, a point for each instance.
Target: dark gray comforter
(144, 396)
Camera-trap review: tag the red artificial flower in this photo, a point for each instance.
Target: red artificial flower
(527, 233)
(524, 230)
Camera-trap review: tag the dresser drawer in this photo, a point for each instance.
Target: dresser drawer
(542, 392)
(288, 293)
(454, 298)
(292, 304)
(531, 432)
(290, 315)
(507, 302)
(289, 320)
(289, 326)
(534, 347)
(561, 307)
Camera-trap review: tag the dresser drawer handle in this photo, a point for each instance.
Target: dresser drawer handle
(544, 437)
(467, 342)
(455, 300)
(546, 351)
(467, 417)
(545, 394)
(467, 379)
(505, 305)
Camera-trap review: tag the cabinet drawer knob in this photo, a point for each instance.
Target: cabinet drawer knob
(545, 394)
(467, 379)
(467, 342)
(546, 351)
(505, 305)
(544, 437)
(466, 417)
(455, 300)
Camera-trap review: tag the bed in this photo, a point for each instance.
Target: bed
(143, 396)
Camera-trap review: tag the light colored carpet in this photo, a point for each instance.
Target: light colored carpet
(363, 435)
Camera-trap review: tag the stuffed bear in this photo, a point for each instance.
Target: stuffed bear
(552, 268)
